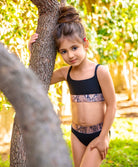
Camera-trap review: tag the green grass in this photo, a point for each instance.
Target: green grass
(123, 151)
(5, 163)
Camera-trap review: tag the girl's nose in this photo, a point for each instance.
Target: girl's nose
(70, 55)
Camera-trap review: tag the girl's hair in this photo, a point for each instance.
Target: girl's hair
(68, 25)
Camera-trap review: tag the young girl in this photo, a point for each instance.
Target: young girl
(92, 92)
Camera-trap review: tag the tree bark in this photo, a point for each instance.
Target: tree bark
(42, 62)
(43, 51)
(17, 151)
(42, 134)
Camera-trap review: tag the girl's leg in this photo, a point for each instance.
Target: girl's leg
(78, 149)
(91, 158)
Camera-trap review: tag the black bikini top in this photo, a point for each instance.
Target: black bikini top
(89, 88)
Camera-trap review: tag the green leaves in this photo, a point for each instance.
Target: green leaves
(4, 103)
(18, 20)
(113, 23)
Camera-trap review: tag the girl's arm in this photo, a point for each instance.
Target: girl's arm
(106, 83)
(108, 91)
(59, 75)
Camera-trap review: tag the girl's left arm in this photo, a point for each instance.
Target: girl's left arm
(106, 83)
(108, 91)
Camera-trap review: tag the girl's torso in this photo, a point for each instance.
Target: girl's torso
(87, 101)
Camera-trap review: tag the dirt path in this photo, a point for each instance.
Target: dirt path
(125, 107)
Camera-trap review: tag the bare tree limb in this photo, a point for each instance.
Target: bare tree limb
(45, 146)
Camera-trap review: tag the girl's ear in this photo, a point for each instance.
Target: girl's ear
(86, 44)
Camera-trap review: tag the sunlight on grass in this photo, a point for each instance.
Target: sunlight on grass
(123, 150)
(125, 128)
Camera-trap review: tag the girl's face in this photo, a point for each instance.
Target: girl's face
(72, 51)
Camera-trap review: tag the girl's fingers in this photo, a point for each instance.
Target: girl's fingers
(32, 40)
(34, 36)
(103, 155)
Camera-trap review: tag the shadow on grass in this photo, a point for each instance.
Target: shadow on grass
(122, 153)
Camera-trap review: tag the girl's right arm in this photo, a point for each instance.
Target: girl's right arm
(59, 75)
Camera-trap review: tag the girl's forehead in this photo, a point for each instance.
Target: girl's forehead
(70, 39)
(67, 44)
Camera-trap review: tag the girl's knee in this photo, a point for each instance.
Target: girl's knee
(91, 158)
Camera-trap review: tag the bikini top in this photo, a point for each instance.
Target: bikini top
(87, 90)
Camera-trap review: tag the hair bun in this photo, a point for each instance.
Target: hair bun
(68, 14)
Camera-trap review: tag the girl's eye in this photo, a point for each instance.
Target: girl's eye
(63, 52)
(74, 48)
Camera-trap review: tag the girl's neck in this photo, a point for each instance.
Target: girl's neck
(83, 66)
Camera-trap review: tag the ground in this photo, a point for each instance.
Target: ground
(125, 108)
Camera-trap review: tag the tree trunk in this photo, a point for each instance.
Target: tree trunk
(130, 76)
(42, 61)
(43, 51)
(42, 134)
(17, 153)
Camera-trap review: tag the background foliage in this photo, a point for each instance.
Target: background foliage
(18, 20)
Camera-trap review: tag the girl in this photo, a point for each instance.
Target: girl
(91, 88)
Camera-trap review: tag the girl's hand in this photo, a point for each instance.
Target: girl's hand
(102, 144)
(32, 40)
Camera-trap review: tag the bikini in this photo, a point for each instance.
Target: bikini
(87, 90)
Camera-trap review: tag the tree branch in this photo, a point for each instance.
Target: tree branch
(45, 6)
(42, 135)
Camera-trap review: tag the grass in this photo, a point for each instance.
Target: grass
(123, 150)
(5, 163)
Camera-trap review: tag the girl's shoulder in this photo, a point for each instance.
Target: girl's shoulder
(103, 74)
(102, 69)
(59, 75)
(64, 71)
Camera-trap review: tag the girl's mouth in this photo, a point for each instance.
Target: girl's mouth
(73, 61)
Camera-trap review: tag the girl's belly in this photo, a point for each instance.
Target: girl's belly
(87, 114)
